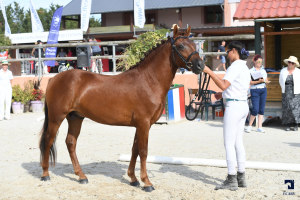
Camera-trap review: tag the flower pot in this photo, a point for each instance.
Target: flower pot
(17, 107)
(37, 106)
(27, 107)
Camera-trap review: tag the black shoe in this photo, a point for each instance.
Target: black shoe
(241, 179)
(230, 183)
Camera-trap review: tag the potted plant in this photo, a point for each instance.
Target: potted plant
(28, 96)
(17, 99)
(37, 104)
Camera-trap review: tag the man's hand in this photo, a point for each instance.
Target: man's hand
(218, 95)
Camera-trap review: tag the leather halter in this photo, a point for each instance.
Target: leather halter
(187, 62)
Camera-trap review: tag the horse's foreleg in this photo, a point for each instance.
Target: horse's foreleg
(71, 141)
(142, 135)
(131, 168)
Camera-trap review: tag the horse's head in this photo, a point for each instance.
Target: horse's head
(184, 52)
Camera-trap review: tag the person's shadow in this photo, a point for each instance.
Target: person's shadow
(184, 170)
(110, 169)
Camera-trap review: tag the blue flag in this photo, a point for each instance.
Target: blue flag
(53, 36)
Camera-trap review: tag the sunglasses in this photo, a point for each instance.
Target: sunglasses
(258, 61)
(291, 62)
(228, 51)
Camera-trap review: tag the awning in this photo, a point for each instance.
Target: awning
(260, 9)
(104, 6)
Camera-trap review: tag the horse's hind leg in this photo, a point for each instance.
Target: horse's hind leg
(131, 168)
(75, 123)
(47, 144)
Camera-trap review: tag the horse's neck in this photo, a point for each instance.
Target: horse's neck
(159, 72)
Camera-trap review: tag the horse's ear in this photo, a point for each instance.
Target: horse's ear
(175, 31)
(188, 31)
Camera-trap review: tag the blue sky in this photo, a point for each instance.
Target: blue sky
(42, 4)
(38, 3)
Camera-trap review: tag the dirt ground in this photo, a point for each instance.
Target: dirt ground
(99, 147)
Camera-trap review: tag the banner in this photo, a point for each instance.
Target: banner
(7, 28)
(85, 14)
(36, 23)
(139, 13)
(53, 36)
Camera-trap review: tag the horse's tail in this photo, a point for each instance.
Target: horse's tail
(43, 144)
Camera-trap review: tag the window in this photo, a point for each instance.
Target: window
(213, 15)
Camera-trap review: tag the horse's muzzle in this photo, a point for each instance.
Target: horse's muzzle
(198, 66)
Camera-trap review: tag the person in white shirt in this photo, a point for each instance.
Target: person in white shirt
(235, 85)
(289, 80)
(258, 92)
(5, 91)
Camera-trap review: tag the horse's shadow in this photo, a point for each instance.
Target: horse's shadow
(110, 169)
(116, 171)
(186, 171)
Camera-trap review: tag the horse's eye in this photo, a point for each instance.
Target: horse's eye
(180, 47)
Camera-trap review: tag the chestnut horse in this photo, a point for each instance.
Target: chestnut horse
(133, 98)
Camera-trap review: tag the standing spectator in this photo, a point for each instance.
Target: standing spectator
(5, 91)
(70, 54)
(223, 59)
(62, 54)
(289, 81)
(35, 53)
(258, 92)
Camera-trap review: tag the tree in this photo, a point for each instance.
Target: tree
(19, 19)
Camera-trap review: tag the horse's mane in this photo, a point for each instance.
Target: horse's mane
(148, 53)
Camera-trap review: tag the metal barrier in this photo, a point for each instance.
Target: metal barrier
(113, 57)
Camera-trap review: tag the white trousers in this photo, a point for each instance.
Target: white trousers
(5, 102)
(233, 130)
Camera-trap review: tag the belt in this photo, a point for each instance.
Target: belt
(257, 88)
(234, 100)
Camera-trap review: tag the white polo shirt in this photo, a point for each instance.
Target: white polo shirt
(238, 75)
(5, 78)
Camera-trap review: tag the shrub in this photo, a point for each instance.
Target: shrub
(136, 50)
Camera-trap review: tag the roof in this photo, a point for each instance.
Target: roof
(258, 9)
(109, 6)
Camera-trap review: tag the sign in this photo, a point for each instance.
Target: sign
(36, 23)
(53, 36)
(139, 13)
(65, 35)
(85, 14)
(7, 28)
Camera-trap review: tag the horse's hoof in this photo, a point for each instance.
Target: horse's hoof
(135, 184)
(84, 181)
(148, 188)
(45, 178)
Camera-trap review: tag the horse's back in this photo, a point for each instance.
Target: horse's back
(105, 99)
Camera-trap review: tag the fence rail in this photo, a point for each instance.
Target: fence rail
(113, 44)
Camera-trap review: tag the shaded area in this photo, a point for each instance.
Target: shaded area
(293, 144)
(186, 171)
(110, 169)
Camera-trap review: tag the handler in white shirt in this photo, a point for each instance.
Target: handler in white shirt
(235, 85)
(5, 90)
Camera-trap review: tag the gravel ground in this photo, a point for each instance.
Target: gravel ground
(99, 147)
